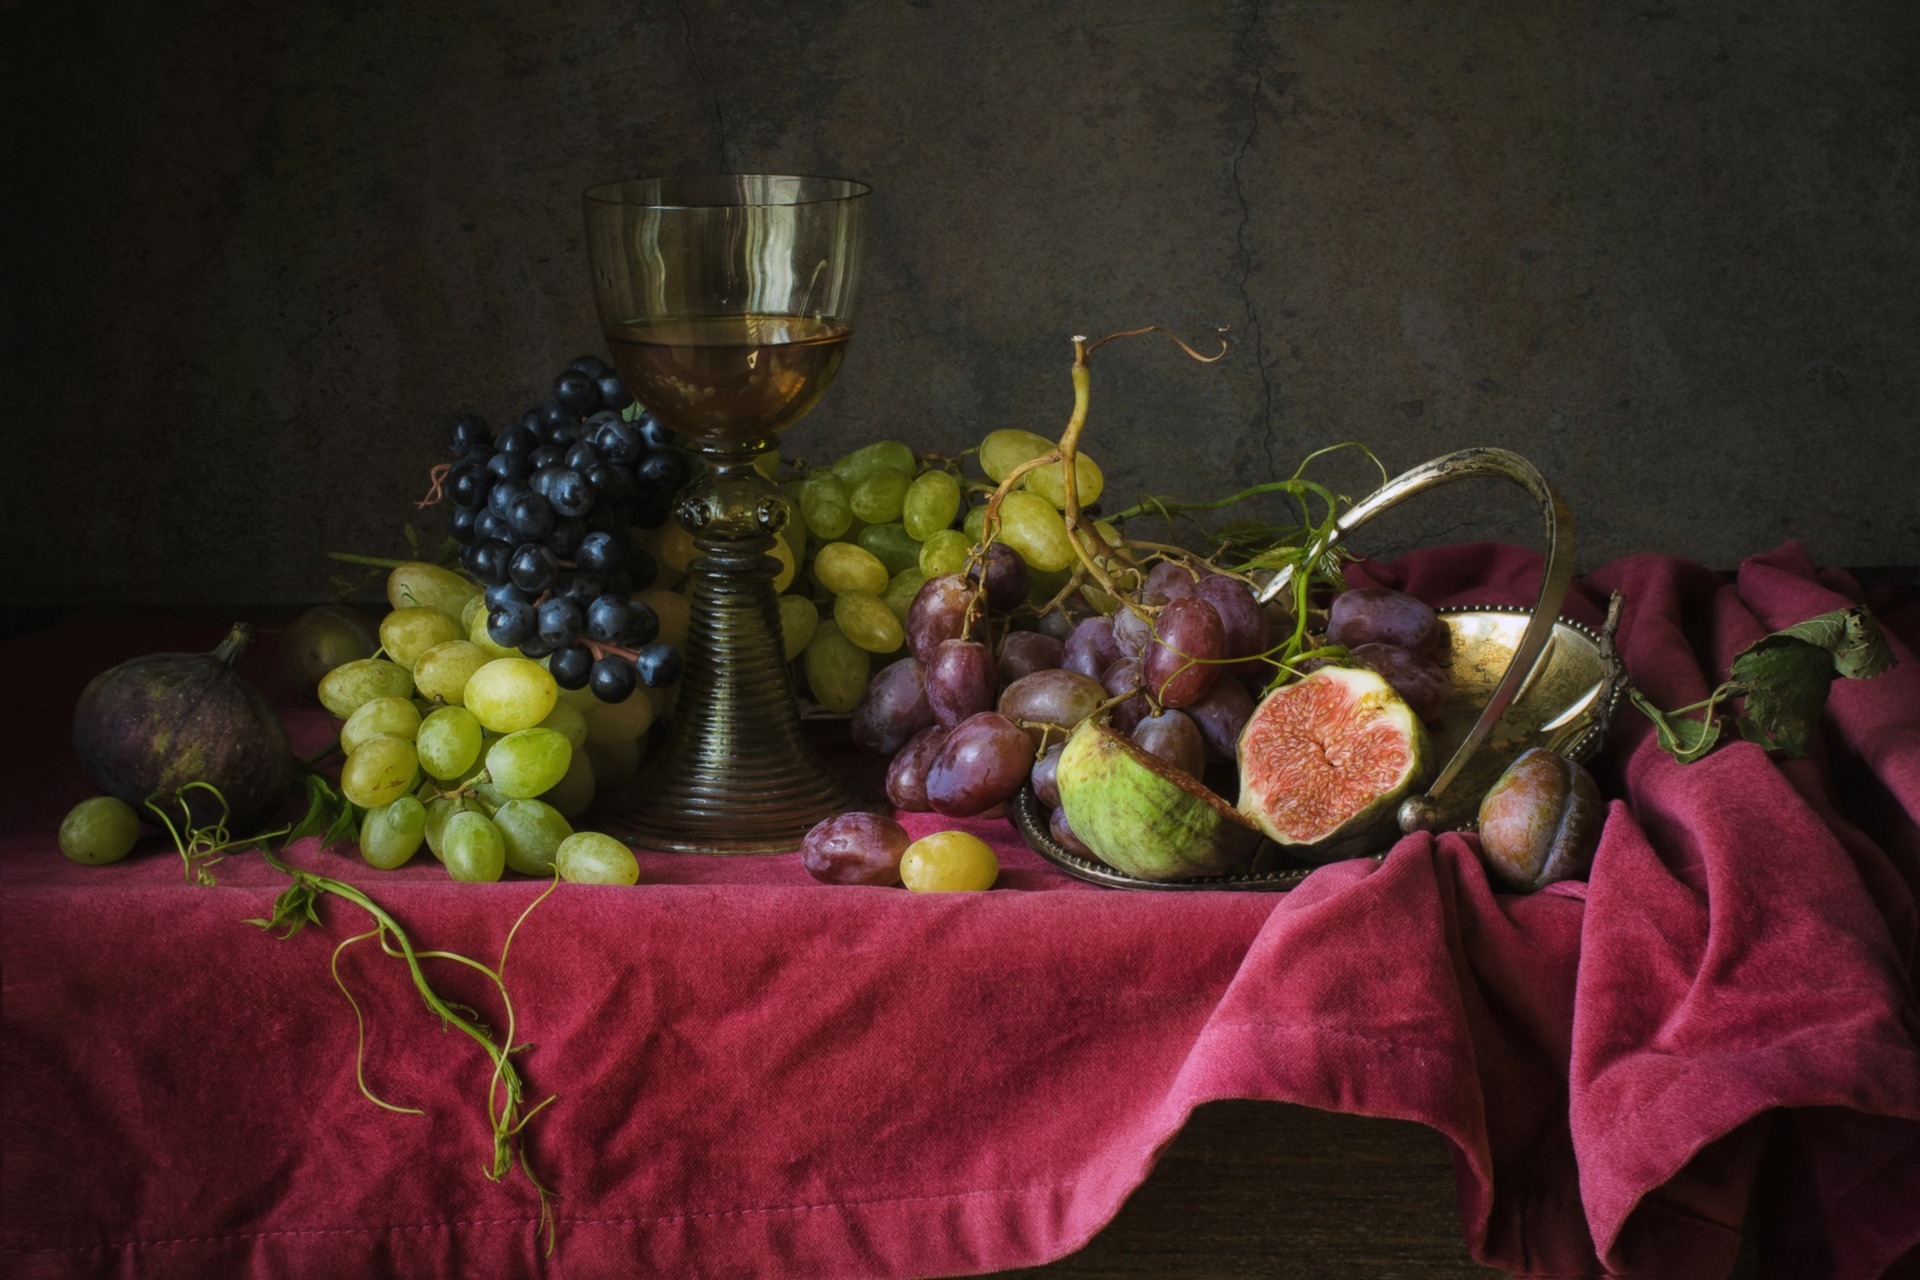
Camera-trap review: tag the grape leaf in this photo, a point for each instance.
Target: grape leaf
(329, 815)
(1786, 675)
(1786, 686)
(1852, 636)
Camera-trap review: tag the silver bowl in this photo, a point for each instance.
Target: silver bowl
(1566, 703)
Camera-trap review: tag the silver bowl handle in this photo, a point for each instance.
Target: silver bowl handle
(1421, 812)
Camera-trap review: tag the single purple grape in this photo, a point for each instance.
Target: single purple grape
(984, 762)
(1180, 665)
(1006, 578)
(1173, 737)
(1173, 579)
(1025, 652)
(947, 607)
(1221, 715)
(1044, 776)
(1090, 648)
(1058, 697)
(959, 681)
(907, 775)
(1120, 678)
(893, 708)
(855, 848)
(1063, 834)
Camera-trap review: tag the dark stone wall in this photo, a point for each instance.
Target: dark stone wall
(256, 255)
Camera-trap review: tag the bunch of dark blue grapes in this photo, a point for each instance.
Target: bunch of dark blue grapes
(546, 511)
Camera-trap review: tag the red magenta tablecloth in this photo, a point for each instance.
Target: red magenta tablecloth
(758, 1075)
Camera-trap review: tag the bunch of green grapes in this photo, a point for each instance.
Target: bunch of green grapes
(880, 522)
(475, 750)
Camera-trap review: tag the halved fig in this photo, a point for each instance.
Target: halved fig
(1326, 760)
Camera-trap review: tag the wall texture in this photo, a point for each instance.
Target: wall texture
(256, 255)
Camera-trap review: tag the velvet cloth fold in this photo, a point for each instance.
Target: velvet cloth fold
(760, 1075)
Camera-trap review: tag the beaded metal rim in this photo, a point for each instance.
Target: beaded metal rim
(1030, 819)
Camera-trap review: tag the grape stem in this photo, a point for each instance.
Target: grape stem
(295, 907)
(436, 485)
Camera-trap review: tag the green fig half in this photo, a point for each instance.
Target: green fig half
(1326, 761)
(1143, 816)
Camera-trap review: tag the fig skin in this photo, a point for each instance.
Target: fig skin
(1140, 815)
(154, 724)
(1541, 821)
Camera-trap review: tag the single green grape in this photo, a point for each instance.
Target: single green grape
(417, 584)
(880, 495)
(1033, 527)
(947, 862)
(842, 566)
(443, 671)
(865, 619)
(824, 506)
(448, 742)
(975, 525)
(473, 849)
(569, 721)
(391, 833)
(347, 687)
(944, 552)
(798, 617)
(891, 545)
(615, 764)
(1001, 451)
(573, 794)
(1046, 481)
(525, 763)
(587, 857)
(100, 830)
(407, 633)
(509, 694)
(905, 586)
(476, 605)
(621, 721)
(531, 830)
(395, 716)
(768, 463)
(867, 459)
(439, 813)
(932, 502)
(837, 669)
(380, 771)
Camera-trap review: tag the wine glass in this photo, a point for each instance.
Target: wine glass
(727, 301)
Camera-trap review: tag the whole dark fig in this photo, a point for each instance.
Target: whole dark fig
(1541, 821)
(325, 637)
(151, 725)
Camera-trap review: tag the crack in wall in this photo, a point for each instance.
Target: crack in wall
(1243, 249)
(719, 116)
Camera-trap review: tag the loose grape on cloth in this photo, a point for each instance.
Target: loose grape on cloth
(758, 1075)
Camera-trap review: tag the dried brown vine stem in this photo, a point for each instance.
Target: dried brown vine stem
(1094, 551)
(436, 485)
